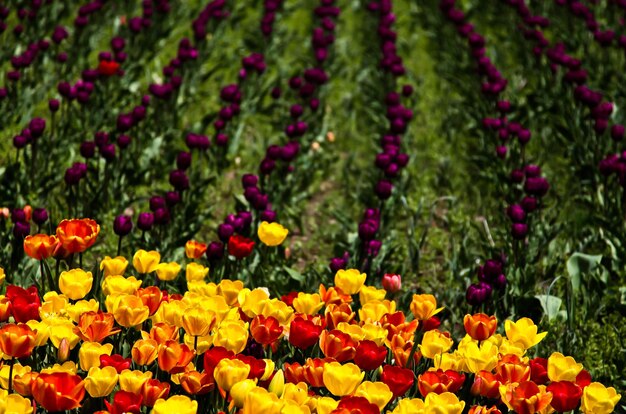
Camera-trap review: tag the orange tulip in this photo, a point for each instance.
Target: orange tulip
(95, 326)
(511, 369)
(480, 326)
(144, 351)
(314, 371)
(194, 249)
(77, 235)
(336, 314)
(338, 345)
(196, 383)
(486, 384)
(58, 391)
(294, 373)
(265, 330)
(173, 356)
(151, 297)
(525, 397)
(162, 332)
(17, 341)
(152, 390)
(40, 246)
(439, 381)
(22, 384)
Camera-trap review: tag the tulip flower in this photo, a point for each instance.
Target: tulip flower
(129, 310)
(424, 307)
(240, 246)
(392, 283)
(173, 356)
(75, 283)
(525, 397)
(195, 272)
(340, 379)
(117, 285)
(40, 246)
(113, 266)
(154, 390)
(101, 381)
(272, 234)
(14, 404)
(523, 332)
(146, 262)
(90, 352)
(265, 330)
(133, 381)
(338, 345)
(480, 326)
(369, 356)
(435, 342)
(25, 303)
(124, 402)
(167, 271)
(58, 391)
(349, 281)
(439, 381)
(17, 340)
(562, 368)
(95, 326)
(399, 380)
(196, 383)
(232, 335)
(565, 395)
(598, 399)
(194, 249)
(228, 372)
(377, 393)
(77, 235)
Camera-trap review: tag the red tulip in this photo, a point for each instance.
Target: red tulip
(58, 391)
(125, 402)
(116, 361)
(303, 333)
(399, 380)
(565, 395)
(356, 405)
(369, 356)
(240, 246)
(25, 303)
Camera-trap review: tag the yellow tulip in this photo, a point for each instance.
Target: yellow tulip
(43, 331)
(354, 330)
(117, 285)
(201, 343)
(167, 271)
(371, 293)
(129, 310)
(326, 405)
(14, 403)
(444, 403)
(178, 404)
(198, 321)
(239, 391)
(75, 283)
(259, 400)
(341, 379)
(2, 276)
(230, 289)
(60, 330)
(483, 357)
(349, 281)
(307, 303)
(298, 393)
(113, 266)
(291, 407)
(18, 370)
(598, 399)
(411, 406)
(374, 310)
(277, 384)
(434, 342)
(232, 335)
(272, 234)
(82, 306)
(202, 288)
(171, 313)
(195, 272)
(132, 381)
(376, 393)
(89, 354)
(562, 368)
(424, 307)
(373, 332)
(523, 332)
(228, 372)
(146, 262)
(101, 381)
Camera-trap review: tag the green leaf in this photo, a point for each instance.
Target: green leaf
(294, 274)
(579, 264)
(550, 304)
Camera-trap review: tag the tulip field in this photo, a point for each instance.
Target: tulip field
(312, 206)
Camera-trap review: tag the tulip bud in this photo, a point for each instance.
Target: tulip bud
(122, 225)
(392, 283)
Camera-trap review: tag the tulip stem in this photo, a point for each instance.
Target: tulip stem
(119, 245)
(11, 375)
(43, 277)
